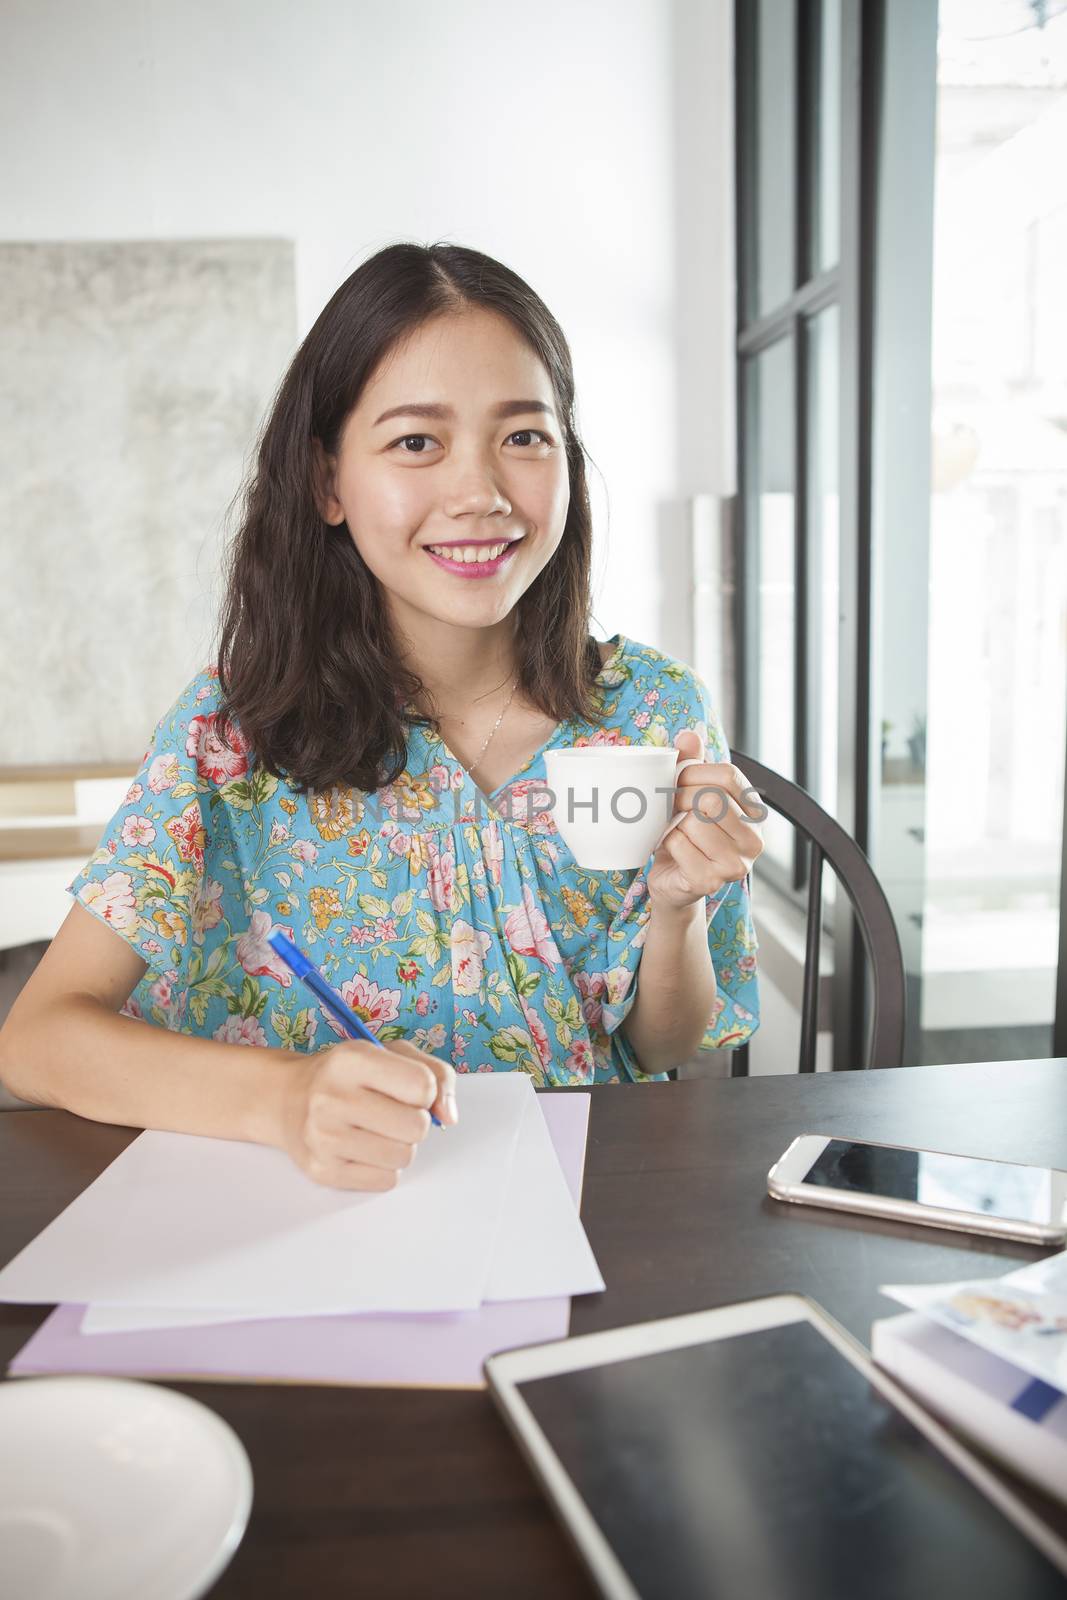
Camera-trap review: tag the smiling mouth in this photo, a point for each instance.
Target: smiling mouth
(470, 554)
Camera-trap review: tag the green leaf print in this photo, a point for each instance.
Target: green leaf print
(505, 1046)
(263, 786)
(392, 1030)
(236, 793)
(253, 999)
(373, 905)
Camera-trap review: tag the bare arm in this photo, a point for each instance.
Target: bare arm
(676, 991)
(348, 1115)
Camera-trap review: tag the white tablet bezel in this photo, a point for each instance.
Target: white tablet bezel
(507, 1371)
(785, 1182)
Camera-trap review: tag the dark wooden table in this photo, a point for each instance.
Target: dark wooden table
(420, 1492)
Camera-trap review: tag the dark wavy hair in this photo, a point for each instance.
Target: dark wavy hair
(307, 661)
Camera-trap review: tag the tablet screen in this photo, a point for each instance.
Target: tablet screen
(765, 1465)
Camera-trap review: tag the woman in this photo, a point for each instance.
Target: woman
(405, 633)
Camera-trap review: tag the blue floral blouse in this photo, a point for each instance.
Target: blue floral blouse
(457, 921)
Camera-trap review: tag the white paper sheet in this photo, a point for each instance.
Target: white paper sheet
(179, 1221)
(1020, 1316)
(541, 1248)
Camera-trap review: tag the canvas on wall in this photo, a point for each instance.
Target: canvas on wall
(135, 377)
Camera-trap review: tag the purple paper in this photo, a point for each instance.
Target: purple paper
(430, 1350)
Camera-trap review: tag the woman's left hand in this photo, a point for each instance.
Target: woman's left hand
(717, 842)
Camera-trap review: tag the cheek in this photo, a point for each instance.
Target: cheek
(386, 508)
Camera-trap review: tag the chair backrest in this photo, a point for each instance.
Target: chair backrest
(830, 843)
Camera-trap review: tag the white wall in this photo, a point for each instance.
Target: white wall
(587, 145)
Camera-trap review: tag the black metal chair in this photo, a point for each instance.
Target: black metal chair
(830, 843)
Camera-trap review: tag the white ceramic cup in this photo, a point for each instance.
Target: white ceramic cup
(613, 804)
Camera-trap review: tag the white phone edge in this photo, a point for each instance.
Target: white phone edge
(506, 1371)
(782, 1185)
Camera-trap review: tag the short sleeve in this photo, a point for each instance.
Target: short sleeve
(146, 879)
(683, 701)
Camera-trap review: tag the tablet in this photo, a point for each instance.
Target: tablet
(756, 1451)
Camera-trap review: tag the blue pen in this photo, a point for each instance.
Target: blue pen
(310, 975)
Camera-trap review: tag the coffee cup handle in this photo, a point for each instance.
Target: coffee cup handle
(690, 761)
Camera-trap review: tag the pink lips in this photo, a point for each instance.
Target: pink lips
(473, 569)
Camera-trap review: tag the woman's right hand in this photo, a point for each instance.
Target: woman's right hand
(354, 1115)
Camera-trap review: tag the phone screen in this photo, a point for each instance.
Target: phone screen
(954, 1183)
(766, 1465)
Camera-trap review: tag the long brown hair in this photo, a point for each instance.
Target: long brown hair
(307, 662)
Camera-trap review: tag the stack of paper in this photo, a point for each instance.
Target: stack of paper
(212, 1258)
(990, 1357)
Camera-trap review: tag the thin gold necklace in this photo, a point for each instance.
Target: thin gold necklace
(496, 724)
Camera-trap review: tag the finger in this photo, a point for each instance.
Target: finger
(444, 1106)
(366, 1149)
(335, 1174)
(713, 807)
(702, 861)
(392, 1072)
(355, 1106)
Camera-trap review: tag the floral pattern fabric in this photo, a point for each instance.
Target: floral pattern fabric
(453, 919)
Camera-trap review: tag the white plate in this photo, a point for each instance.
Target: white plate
(115, 1490)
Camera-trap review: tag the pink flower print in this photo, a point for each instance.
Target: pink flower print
(372, 1005)
(493, 851)
(204, 692)
(113, 900)
(431, 1038)
(256, 955)
(528, 933)
(456, 781)
(137, 830)
(422, 1004)
(439, 777)
(746, 963)
(134, 794)
(642, 719)
(385, 928)
(469, 1016)
(469, 950)
(537, 1031)
(214, 760)
(305, 851)
(591, 986)
(522, 798)
(651, 697)
(618, 981)
(207, 910)
(132, 1008)
(459, 1043)
(161, 992)
(606, 736)
(581, 1062)
(278, 832)
(240, 1030)
(441, 878)
(189, 834)
(164, 773)
(400, 844)
(153, 947)
(112, 847)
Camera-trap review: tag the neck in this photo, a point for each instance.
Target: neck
(461, 668)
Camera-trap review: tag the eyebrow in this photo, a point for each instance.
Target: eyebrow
(442, 413)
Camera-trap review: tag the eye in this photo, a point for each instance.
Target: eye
(531, 433)
(522, 432)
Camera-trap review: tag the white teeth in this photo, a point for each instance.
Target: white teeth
(468, 552)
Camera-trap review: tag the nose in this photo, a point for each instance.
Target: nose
(473, 492)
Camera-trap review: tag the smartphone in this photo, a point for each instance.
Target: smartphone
(967, 1193)
(756, 1450)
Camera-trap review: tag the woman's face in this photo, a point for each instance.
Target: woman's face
(454, 444)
